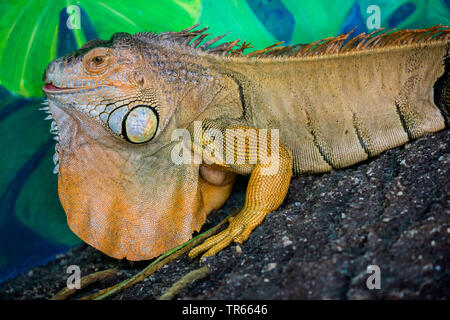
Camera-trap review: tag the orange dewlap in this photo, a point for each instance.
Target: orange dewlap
(129, 214)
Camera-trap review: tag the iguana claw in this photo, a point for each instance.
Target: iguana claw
(238, 230)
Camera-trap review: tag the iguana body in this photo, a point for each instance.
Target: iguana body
(118, 103)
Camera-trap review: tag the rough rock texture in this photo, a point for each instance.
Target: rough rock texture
(392, 211)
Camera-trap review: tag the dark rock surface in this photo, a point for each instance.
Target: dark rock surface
(392, 211)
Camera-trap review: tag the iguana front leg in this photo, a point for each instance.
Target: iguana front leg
(267, 188)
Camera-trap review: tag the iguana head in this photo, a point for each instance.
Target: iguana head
(105, 80)
(115, 107)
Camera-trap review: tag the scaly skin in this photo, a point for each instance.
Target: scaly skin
(117, 105)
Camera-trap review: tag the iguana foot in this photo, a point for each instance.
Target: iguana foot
(239, 229)
(265, 192)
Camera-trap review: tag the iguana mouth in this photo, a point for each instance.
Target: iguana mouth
(51, 88)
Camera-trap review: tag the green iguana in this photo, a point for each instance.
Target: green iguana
(128, 109)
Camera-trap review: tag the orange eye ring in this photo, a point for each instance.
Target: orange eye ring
(97, 60)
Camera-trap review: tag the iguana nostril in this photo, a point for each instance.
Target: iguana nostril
(50, 69)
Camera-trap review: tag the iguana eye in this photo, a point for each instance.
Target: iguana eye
(97, 60)
(139, 125)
